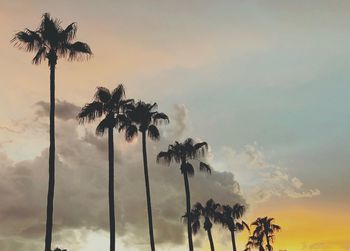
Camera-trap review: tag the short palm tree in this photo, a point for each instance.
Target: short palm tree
(229, 218)
(264, 228)
(255, 242)
(182, 153)
(143, 118)
(210, 213)
(50, 41)
(111, 105)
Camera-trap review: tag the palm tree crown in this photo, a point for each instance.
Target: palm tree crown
(143, 117)
(182, 152)
(111, 104)
(230, 216)
(264, 228)
(209, 212)
(51, 41)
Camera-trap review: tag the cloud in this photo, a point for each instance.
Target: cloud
(260, 178)
(81, 188)
(64, 110)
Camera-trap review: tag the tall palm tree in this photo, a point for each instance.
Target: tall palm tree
(182, 153)
(229, 218)
(264, 228)
(50, 41)
(210, 213)
(144, 118)
(111, 105)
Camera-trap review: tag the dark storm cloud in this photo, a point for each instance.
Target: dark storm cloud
(81, 187)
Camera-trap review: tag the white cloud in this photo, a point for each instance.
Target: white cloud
(261, 179)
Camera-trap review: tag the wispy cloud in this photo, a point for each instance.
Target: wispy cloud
(261, 179)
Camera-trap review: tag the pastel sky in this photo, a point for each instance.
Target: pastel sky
(265, 83)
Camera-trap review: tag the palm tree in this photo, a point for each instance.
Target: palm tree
(210, 213)
(144, 118)
(255, 242)
(182, 153)
(264, 228)
(112, 105)
(50, 41)
(229, 219)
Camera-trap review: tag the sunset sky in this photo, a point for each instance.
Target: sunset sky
(265, 83)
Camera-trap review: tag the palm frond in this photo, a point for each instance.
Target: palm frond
(122, 122)
(102, 94)
(204, 167)
(90, 112)
(158, 117)
(78, 51)
(28, 40)
(131, 132)
(200, 149)
(152, 107)
(102, 126)
(245, 225)
(118, 94)
(275, 227)
(153, 132)
(198, 206)
(69, 33)
(188, 142)
(200, 145)
(39, 56)
(238, 210)
(126, 105)
(239, 226)
(165, 157)
(195, 226)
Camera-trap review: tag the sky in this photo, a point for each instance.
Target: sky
(265, 83)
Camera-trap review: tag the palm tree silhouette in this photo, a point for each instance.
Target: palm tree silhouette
(255, 242)
(50, 41)
(144, 118)
(112, 106)
(264, 228)
(182, 153)
(229, 218)
(210, 213)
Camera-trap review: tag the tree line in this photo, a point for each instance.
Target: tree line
(117, 114)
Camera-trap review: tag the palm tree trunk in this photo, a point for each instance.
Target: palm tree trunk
(268, 242)
(234, 248)
(51, 185)
(188, 208)
(210, 237)
(111, 189)
(148, 193)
